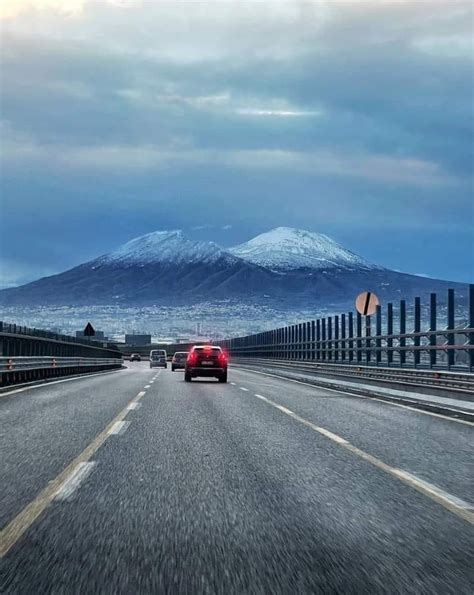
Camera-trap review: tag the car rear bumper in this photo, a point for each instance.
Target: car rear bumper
(205, 371)
(178, 365)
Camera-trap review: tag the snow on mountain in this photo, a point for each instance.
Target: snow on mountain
(171, 247)
(286, 248)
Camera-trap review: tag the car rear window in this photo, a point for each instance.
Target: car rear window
(214, 350)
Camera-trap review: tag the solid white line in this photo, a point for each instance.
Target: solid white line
(119, 427)
(451, 503)
(347, 392)
(410, 478)
(71, 484)
(134, 406)
(244, 389)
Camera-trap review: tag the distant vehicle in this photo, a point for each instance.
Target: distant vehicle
(179, 360)
(206, 360)
(135, 357)
(158, 358)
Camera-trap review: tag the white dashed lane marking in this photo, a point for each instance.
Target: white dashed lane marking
(119, 427)
(67, 489)
(134, 406)
(462, 509)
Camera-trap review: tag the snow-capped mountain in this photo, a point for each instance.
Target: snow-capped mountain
(166, 247)
(284, 269)
(286, 249)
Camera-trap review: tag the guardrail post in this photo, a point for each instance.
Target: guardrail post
(378, 332)
(417, 330)
(433, 329)
(390, 334)
(470, 337)
(343, 337)
(336, 338)
(351, 335)
(450, 327)
(403, 329)
(313, 340)
(359, 338)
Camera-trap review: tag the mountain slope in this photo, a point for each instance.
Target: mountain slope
(285, 249)
(285, 269)
(161, 267)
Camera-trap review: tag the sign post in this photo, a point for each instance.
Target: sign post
(366, 304)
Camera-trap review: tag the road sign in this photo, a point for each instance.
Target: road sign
(89, 330)
(366, 303)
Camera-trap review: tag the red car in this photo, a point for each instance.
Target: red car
(207, 361)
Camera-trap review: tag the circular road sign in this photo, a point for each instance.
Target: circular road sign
(366, 303)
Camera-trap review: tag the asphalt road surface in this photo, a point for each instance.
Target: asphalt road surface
(137, 482)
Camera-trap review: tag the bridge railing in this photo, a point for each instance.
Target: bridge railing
(379, 340)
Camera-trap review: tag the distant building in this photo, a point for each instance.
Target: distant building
(137, 339)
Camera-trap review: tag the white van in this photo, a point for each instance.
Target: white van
(158, 358)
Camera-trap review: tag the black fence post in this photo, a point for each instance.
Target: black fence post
(368, 339)
(308, 340)
(403, 330)
(378, 332)
(330, 343)
(313, 340)
(318, 340)
(450, 328)
(323, 336)
(417, 330)
(343, 337)
(350, 334)
(359, 338)
(390, 334)
(336, 338)
(433, 329)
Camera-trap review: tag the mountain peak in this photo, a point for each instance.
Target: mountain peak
(165, 247)
(287, 248)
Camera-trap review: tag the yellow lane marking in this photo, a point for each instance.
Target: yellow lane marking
(462, 509)
(343, 391)
(17, 527)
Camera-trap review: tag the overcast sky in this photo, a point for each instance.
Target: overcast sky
(226, 119)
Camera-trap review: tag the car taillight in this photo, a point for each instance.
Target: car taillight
(222, 358)
(192, 358)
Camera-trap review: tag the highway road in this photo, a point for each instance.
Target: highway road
(137, 482)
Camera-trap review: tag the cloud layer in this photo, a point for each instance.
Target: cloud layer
(340, 117)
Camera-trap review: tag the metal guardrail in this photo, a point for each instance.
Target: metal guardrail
(22, 364)
(350, 339)
(459, 382)
(17, 370)
(17, 329)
